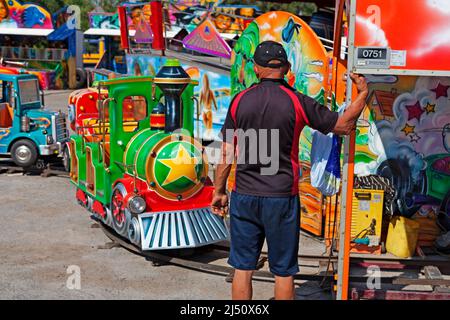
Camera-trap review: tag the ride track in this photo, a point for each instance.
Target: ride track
(361, 263)
(45, 170)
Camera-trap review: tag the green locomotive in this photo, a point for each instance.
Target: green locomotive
(137, 167)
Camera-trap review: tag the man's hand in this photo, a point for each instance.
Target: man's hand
(347, 122)
(219, 204)
(360, 82)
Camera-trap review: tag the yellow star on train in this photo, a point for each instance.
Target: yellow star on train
(183, 165)
(430, 108)
(408, 129)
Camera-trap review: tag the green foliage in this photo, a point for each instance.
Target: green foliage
(109, 5)
(300, 8)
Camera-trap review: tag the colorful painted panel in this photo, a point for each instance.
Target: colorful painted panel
(15, 14)
(406, 137)
(226, 18)
(206, 39)
(139, 19)
(417, 31)
(213, 92)
(104, 20)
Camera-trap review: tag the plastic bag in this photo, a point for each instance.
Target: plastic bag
(325, 163)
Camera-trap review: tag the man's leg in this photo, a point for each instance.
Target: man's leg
(282, 224)
(247, 239)
(242, 285)
(284, 288)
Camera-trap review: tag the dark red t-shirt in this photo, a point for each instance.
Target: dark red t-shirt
(271, 104)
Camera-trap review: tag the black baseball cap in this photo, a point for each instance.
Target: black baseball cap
(267, 51)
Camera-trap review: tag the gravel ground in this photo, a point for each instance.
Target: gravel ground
(44, 233)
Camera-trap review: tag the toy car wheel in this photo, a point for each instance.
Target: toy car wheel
(24, 153)
(81, 78)
(66, 159)
(120, 214)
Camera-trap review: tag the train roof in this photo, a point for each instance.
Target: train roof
(131, 79)
(127, 79)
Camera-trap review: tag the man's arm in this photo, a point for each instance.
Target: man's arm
(219, 203)
(347, 121)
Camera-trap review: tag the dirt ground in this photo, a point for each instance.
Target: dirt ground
(44, 234)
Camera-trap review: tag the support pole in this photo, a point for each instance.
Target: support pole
(158, 26)
(122, 11)
(347, 178)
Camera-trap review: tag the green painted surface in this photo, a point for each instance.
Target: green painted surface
(144, 139)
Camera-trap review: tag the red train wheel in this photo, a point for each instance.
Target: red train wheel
(121, 216)
(81, 198)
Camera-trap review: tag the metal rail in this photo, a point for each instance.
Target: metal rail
(45, 171)
(227, 271)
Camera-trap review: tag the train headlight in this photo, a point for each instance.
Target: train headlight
(137, 204)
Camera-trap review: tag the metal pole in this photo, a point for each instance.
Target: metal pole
(347, 178)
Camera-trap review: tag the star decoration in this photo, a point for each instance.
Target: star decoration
(183, 165)
(408, 129)
(441, 90)
(415, 137)
(414, 111)
(430, 108)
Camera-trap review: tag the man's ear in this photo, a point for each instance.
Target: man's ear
(256, 69)
(288, 67)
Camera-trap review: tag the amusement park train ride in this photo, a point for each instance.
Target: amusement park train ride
(143, 174)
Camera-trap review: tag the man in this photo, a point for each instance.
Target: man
(266, 206)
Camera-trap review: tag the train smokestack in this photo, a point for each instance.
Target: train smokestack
(172, 80)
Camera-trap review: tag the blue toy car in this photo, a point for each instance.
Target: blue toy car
(28, 132)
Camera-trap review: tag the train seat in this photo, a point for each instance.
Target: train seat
(92, 126)
(6, 115)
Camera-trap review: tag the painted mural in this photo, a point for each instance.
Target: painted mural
(139, 20)
(212, 93)
(226, 18)
(406, 137)
(206, 39)
(102, 20)
(15, 14)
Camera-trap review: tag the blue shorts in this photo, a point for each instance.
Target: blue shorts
(255, 218)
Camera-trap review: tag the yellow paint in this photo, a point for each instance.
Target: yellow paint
(95, 57)
(408, 129)
(430, 108)
(402, 237)
(183, 165)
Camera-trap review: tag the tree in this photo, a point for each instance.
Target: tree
(108, 5)
(295, 7)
